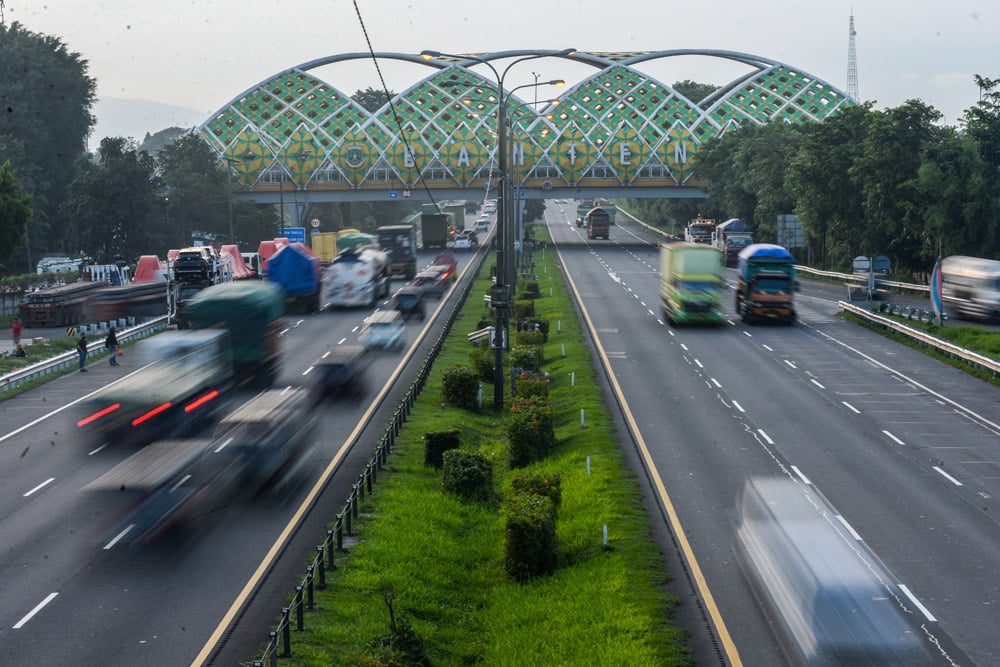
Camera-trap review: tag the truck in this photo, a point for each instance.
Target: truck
(62, 305)
(699, 230)
(190, 270)
(435, 227)
(598, 223)
(324, 244)
(457, 211)
(582, 208)
(297, 271)
(400, 243)
(357, 277)
(731, 237)
(766, 284)
(691, 284)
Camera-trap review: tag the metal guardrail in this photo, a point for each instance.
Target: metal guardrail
(974, 359)
(279, 642)
(70, 359)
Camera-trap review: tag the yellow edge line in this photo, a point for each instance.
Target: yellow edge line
(675, 523)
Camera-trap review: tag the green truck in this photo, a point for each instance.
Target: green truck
(766, 284)
(400, 242)
(435, 226)
(691, 284)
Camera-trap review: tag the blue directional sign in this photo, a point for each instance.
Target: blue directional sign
(393, 194)
(295, 234)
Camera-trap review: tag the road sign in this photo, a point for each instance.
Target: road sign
(314, 232)
(295, 234)
(315, 223)
(406, 194)
(546, 185)
(393, 194)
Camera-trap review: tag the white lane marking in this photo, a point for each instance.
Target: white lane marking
(699, 363)
(766, 437)
(767, 347)
(849, 528)
(684, 347)
(817, 384)
(738, 406)
(91, 453)
(716, 383)
(40, 486)
(802, 475)
(306, 371)
(893, 438)
(223, 445)
(180, 482)
(110, 545)
(948, 477)
(326, 354)
(790, 363)
(342, 340)
(851, 408)
(749, 335)
(38, 608)
(916, 603)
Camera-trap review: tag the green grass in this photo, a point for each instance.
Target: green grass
(52, 347)
(441, 561)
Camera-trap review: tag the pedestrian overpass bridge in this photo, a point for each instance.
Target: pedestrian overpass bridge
(617, 133)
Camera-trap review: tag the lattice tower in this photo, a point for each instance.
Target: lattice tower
(852, 64)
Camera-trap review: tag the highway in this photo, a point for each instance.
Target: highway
(75, 593)
(904, 447)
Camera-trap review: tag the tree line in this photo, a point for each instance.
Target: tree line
(863, 182)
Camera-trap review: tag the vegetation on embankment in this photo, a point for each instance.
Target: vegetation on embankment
(425, 583)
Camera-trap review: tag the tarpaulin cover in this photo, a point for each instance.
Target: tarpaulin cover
(295, 269)
(231, 255)
(733, 225)
(150, 269)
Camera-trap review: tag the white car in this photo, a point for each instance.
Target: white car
(384, 330)
(462, 242)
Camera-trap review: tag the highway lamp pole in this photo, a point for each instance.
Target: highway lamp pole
(501, 292)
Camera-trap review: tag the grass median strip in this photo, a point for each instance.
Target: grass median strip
(425, 582)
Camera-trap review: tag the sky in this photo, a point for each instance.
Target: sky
(191, 57)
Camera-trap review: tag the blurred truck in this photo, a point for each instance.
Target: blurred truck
(435, 227)
(187, 373)
(356, 278)
(297, 271)
(766, 284)
(400, 243)
(598, 223)
(691, 284)
(324, 244)
(731, 237)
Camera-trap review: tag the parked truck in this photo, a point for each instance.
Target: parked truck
(766, 284)
(691, 284)
(731, 237)
(435, 227)
(598, 223)
(400, 243)
(356, 278)
(297, 271)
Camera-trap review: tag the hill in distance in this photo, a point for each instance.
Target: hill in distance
(118, 117)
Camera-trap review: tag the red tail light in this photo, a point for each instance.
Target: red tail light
(152, 413)
(97, 415)
(200, 401)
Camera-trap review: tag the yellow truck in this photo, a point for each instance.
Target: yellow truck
(691, 283)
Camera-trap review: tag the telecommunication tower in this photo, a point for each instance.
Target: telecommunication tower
(852, 64)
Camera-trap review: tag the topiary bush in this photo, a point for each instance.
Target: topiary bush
(526, 357)
(460, 385)
(522, 309)
(539, 483)
(468, 475)
(436, 443)
(530, 547)
(530, 430)
(525, 385)
(528, 288)
(529, 337)
(481, 358)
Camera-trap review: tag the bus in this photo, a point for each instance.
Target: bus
(970, 286)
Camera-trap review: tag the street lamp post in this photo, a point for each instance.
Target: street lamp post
(501, 293)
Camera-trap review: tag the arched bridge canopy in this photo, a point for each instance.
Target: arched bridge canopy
(618, 131)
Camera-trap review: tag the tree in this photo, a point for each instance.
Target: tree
(195, 187)
(15, 210)
(113, 205)
(694, 91)
(371, 99)
(47, 99)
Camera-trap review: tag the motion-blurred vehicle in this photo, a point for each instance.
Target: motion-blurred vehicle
(409, 301)
(358, 277)
(462, 242)
(970, 286)
(384, 330)
(434, 281)
(830, 599)
(342, 372)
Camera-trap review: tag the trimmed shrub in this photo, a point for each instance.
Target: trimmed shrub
(530, 548)
(528, 288)
(436, 443)
(530, 430)
(543, 326)
(542, 484)
(522, 309)
(529, 337)
(531, 384)
(526, 357)
(460, 384)
(481, 357)
(468, 475)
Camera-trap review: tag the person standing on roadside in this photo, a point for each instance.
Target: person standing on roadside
(81, 349)
(16, 330)
(111, 344)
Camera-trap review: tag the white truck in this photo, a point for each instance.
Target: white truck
(357, 277)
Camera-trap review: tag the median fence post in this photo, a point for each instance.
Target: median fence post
(354, 505)
(360, 486)
(330, 546)
(322, 568)
(368, 476)
(340, 532)
(347, 516)
(299, 620)
(286, 631)
(310, 588)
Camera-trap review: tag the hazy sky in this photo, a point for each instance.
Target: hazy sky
(199, 54)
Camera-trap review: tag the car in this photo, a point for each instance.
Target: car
(483, 226)
(462, 242)
(384, 330)
(434, 281)
(409, 301)
(491, 206)
(342, 372)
